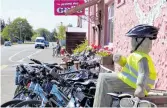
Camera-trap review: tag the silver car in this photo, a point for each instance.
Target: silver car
(7, 43)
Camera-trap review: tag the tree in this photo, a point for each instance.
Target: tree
(6, 33)
(42, 32)
(21, 29)
(61, 32)
(35, 34)
(53, 35)
(2, 23)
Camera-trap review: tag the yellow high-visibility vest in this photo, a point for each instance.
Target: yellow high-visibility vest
(129, 72)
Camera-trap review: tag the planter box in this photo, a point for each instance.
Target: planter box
(108, 62)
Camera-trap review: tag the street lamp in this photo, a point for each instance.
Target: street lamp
(20, 26)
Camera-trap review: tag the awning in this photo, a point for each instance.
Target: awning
(81, 7)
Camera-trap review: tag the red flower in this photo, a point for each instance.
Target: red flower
(106, 48)
(109, 53)
(95, 46)
(99, 46)
(92, 45)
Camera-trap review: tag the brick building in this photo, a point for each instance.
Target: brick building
(120, 15)
(109, 20)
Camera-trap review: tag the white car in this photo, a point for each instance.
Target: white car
(7, 43)
(40, 42)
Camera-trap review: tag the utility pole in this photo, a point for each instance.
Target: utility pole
(20, 30)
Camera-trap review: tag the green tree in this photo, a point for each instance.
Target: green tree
(53, 35)
(35, 34)
(42, 32)
(21, 29)
(6, 33)
(61, 32)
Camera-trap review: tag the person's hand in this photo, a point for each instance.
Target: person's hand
(116, 58)
(139, 92)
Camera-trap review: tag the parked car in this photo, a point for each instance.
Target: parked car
(7, 43)
(19, 42)
(40, 42)
(46, 44)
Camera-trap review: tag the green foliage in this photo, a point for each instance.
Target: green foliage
(61, 32)
(54, 32)
(18, 29)
(41, 32)
(83, 46)
(53, 35)
(103, 53)
(34, 36)
(6, 33)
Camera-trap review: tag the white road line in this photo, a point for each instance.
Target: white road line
(10, 58)
(29, 56)
(34, 53)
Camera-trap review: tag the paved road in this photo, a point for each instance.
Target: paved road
(17, 54)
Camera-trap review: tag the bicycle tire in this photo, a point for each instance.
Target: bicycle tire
(18, 89)
(29, 102)
(19, 94)
(11, 103)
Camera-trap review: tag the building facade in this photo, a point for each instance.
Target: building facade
(118, 16)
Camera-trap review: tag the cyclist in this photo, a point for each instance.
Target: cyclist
(57, 49)
(138, 73)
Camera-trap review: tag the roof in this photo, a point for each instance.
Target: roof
(76, 29)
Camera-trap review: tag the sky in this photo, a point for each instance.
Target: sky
(39, 13)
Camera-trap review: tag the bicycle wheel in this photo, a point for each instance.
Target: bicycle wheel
(21, 95)
(11, 103)
(18, 89)
(29, 103)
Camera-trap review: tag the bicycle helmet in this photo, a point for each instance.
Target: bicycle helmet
(142, 31)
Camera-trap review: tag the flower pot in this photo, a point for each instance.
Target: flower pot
(108, 60)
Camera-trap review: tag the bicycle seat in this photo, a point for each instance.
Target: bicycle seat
(86, 83)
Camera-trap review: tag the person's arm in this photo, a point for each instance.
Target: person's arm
(119, 59)
(142, 77)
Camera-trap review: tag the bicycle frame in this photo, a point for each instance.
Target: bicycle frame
(39, 91)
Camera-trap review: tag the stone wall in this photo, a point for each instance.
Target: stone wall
(134, 12)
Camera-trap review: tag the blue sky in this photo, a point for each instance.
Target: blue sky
(39, 13)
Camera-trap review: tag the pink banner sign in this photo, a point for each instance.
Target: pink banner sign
(61, 6)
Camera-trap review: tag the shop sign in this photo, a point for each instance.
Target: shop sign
(61, 6)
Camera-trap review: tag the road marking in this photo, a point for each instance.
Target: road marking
(29, 56)
(34, 53)
(10, 58)
(3, 67)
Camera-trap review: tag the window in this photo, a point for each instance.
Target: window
(110, 31)
(40, 40)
